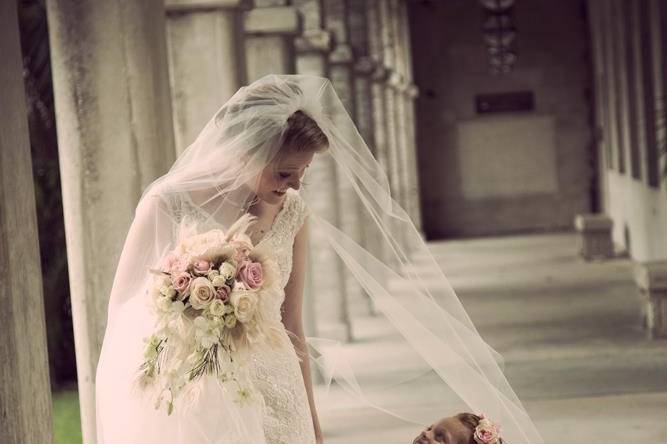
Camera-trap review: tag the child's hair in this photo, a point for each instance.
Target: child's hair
(471, 421)
(303, 134)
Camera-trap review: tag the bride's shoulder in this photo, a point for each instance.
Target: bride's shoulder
(298, 208)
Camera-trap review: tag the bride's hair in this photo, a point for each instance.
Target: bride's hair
(303, 134)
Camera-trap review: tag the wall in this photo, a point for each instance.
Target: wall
(507, 172)
(627, 39)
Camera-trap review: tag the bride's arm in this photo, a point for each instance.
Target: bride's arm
(292, 312)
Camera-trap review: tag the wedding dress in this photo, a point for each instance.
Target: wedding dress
(274, 372)
(379, 248)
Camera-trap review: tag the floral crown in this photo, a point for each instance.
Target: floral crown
(487, 432)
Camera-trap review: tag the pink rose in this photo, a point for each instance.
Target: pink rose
(201, 267)
(222, 293)
(169, 262)
(181, 282)
(250, 273)
(487, 432)
(181, 265)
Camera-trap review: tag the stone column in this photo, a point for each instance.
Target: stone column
(378, 78)
(651, 279)
(341, 62)
(398, 84)
(115, 136)
(392, 79)
(270, 29)
(325, 294)
(363, 68)
(203, 39)
(25, 391)
(409, 95)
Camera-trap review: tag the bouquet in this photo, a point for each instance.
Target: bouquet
(207, 297)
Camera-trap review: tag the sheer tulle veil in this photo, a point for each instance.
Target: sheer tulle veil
(434, 343)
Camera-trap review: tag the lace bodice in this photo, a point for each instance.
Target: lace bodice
(278, 240)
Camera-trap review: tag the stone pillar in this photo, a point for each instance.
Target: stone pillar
(115, 136)
(392, 80)
(270, 29)
(595, 241)
(409, 96)
(363, 69)
(325, 293)
(398, 84)
(341, 63)
(203, 39)
(25, 391)
(651, 279)
(376, 77)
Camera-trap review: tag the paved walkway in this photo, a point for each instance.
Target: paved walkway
(570, 333)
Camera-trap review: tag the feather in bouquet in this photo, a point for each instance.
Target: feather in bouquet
(208, 298)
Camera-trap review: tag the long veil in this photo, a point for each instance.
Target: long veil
(434, 343)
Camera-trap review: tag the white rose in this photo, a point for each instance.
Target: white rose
(177, 307)
(217, 307)
(201, 293)
(245, 304)
(230, 321)
(218, 281)
(168, 290)
(212, 274)
(227, 270)
(164, 303)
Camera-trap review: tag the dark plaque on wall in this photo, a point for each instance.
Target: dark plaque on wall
(504, 102)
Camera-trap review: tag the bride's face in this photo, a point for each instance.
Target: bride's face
(285, 171)
(446, 431)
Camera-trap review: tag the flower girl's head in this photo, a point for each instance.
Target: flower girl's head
(301, 140)
(464, 428)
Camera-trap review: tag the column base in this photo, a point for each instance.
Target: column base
(651, 280)
(595, 240)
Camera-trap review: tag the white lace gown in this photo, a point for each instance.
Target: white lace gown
(276, 372)
(282, 418)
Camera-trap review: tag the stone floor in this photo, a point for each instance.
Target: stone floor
(569, 332)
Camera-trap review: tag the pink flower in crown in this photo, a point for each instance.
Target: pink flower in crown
(487, 432)
(201, 267)
(222, 293)
(250, 273)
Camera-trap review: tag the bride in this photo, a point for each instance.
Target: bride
(251, 158)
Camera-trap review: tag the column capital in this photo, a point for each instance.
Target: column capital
(395, 80)
(272, 20)
(651, 276)
(364, 66)
(413, 91)
(313, 40)
(380, 74)
(200, 5)
(341, 54)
